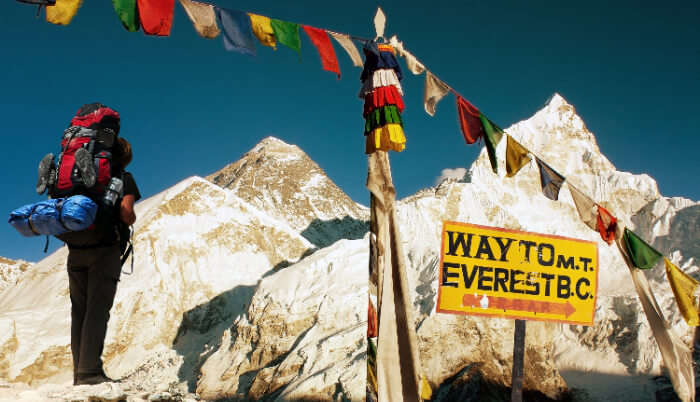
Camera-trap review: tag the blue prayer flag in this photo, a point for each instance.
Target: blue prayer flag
(237, 32)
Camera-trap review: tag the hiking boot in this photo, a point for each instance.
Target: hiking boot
(44, 173)
(91, 379)
(83, 160)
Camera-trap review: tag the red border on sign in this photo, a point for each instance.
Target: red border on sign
(442, 248)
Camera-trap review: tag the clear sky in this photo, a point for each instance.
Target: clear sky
(189, 107)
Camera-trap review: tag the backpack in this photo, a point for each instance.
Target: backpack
(85, 166)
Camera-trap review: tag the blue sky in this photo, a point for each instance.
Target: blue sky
(631, 69)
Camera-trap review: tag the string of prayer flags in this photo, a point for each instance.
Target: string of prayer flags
(320, 39)
(684, 290)
(516, 157)
(203, 18)
(643, 256)
(676, 356)
(156, 16)
(287, 33)
(382, 91)
(128, 14)
(346, 43)
(607, 225)
(586, 208)
(63, 11)
(551, 180)
(434, 91)
(262, 29)
(237, 31)
(492, 136)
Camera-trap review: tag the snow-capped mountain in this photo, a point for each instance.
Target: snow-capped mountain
(11, 271)
(252, 284)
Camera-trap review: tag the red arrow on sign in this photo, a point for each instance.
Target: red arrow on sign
(534, 306)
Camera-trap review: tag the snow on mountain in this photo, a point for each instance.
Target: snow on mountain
(11, 271)
(283, 181)
(253, 284)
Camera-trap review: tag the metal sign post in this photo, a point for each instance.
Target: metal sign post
(516, 394)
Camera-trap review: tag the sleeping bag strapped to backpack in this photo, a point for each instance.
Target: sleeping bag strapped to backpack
(55, 216)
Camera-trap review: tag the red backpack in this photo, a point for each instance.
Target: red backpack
(85, 164)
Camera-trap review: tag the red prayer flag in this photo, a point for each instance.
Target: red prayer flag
(606, 225)
(469, 120)
(372, 323)
(382, 96)
(320, 39)
(156, 16)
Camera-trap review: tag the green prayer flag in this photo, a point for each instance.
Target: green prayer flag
(126, 10)
(287, 33)
(492, 138)
(642, 255)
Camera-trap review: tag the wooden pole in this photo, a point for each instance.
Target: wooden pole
(516, 394)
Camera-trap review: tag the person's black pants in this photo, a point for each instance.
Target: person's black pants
(93, 274)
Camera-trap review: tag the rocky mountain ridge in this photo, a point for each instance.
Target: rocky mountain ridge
(252, 284)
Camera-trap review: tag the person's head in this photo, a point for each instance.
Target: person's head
(123, 154)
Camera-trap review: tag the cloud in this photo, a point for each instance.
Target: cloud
(457, 173)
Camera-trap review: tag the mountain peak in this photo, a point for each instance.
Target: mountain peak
(275, 145)
(283, 181)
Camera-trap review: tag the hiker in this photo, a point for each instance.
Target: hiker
(94, 266)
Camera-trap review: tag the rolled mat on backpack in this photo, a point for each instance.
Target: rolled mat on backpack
(54, 216)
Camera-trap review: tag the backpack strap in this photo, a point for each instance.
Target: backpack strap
(128, 252)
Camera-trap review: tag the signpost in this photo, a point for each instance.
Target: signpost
(505, 273)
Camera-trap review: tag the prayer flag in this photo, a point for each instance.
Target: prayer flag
(203, 18)
(379, 57)
(492, 137)
(435, 90)
(414, 66)
(469, 120)
(585, 206)
(677, 357)
(642, 254)
(606, 225)
(350, 49)
(684, 288)
(380, 78)
(287, 33)
(128, 15)
(382, 96)
(551, 180)
(63, 11)
(385, 138)
(320, 39)
(262, 29)
(238, 34)
(372, 327)
(516, 157)
(156, 16)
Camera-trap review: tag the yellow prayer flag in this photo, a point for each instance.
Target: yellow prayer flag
(425, 391)
(684, 288)
(516, 157)
(63, 11)
(262, 28)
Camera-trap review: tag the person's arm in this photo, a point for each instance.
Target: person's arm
(126, 212)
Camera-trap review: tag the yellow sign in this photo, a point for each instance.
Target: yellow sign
(513, 274)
